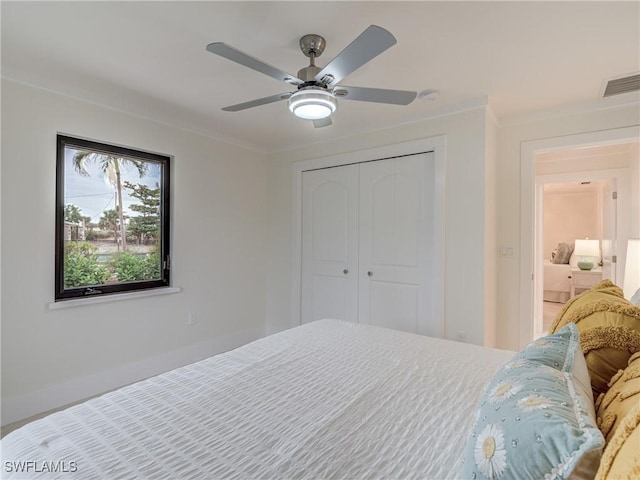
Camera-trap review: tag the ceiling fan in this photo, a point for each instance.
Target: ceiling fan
(317, 88)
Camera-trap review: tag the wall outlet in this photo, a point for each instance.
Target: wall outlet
(192, 319)
(461, 337)
(506, 251)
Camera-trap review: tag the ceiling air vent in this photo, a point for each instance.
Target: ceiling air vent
(630, 83)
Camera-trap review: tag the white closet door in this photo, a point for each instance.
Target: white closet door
(330, 244)
(393, 242)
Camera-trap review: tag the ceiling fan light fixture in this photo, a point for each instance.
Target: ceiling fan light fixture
(312, 104)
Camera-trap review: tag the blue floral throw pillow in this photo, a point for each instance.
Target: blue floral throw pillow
(536, 418)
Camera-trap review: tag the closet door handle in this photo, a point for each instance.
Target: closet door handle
(370, 273)
(345, 271)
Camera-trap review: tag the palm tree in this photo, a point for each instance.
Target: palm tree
(110, 166)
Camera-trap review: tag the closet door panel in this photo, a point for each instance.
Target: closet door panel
(329, 297)
(329, 244)
(392, 242)
(408, 211)
(366, 243)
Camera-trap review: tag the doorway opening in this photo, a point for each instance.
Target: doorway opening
(571, 207)
(573, 154)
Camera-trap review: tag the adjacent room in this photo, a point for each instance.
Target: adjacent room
(583, 196)
(320, 239)
(570, 213)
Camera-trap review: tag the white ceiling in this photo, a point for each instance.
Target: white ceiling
(149, 59)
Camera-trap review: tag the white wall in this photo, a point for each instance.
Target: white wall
(589, 163)
(511, 138)
(219, 195)
(491, 231)
(568, 216)
(466, 185)
(634, 181)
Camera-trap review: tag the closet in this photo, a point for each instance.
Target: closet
(367, 242)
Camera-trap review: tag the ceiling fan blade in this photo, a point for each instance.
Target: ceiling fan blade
(369, 44)
(257, 102)
(235, 55)
(378, 95)
(322, 122)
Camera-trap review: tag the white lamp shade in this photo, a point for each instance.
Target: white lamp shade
(587, 248)
(632, 268)
(312, 104)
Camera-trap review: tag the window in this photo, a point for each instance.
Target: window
(112, 219)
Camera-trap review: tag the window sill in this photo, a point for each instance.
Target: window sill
(116, 297)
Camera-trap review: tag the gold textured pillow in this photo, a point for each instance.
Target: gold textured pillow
(621, 457)
(609, 329)
(623, 395)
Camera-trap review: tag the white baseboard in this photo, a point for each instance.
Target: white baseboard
(26, 405)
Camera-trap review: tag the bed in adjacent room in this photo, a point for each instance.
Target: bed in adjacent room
(557, 282)
(328, 399)
(557, 274)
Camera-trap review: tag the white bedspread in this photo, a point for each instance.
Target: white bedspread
(328, 399)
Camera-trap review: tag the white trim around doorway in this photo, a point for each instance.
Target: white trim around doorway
(528, 152)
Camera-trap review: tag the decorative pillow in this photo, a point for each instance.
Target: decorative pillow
(623, 395)
(609, 329)
(536, 420)
(621, 458)
(550, 350)
(562, 253)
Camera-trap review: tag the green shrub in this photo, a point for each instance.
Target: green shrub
(131, 268)
(81, 267)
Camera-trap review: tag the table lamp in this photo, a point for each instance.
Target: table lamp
(588, 251)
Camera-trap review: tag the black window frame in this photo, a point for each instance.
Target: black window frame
(67, 293)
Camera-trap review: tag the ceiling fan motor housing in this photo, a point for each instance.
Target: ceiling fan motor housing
(312, 45)
(308, 74)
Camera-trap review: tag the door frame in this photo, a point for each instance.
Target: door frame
(528, 152)
(436, 145)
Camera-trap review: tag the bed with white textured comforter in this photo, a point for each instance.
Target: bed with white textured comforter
(329, 399)
(556, 281)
